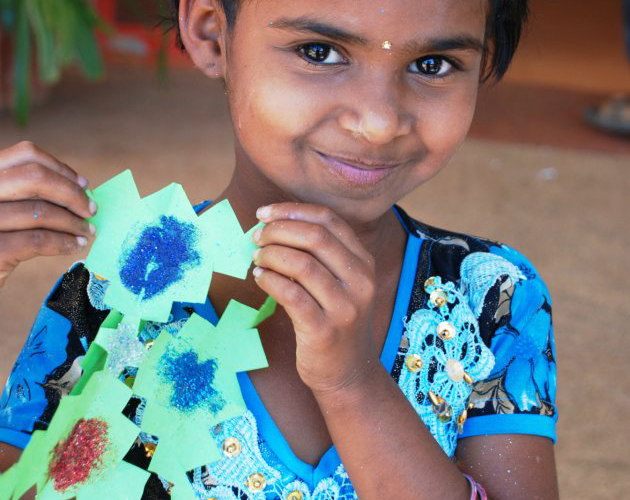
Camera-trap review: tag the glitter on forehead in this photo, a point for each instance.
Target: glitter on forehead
(387, 45)
(75, 458)
(191, 380)
(158, 257)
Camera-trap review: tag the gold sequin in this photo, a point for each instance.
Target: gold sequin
(446, 331)
(429, 283)
(149, 449)
(438, 297)
(99, 277)
(414, 363)
(231, 447)
(295, 495)
(256, 482)
(461, 420)
(129, 381)
(441, 408)
(387, 45)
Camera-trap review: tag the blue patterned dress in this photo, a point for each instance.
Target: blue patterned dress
(470, 344)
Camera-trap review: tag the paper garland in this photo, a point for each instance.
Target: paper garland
(154, 251)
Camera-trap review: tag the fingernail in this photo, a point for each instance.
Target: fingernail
(92, 207)
(257, 272)
(256, 255)
(82, 241)
(257, 234)
(92, 229)
(83, 182)
(263, 212)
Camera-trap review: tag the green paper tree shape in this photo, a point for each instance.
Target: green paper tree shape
(156, 250)
(233, 346)
(103, 398)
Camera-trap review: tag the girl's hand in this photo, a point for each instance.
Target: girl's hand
(314, 265)
(42, 207)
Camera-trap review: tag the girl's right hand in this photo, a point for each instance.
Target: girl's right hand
(43, 207)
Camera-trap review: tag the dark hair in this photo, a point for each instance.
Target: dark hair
(504, 27)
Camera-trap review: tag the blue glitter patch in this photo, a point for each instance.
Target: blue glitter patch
(192, 381)
(158, 257)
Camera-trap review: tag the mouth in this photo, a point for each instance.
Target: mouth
(360, 171)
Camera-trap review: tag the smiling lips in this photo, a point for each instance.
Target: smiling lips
(359, 171)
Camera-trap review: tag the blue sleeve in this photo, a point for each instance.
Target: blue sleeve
(48, 366)
(518, 397)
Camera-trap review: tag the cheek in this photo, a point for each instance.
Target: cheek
(444, 123)
(273, 113)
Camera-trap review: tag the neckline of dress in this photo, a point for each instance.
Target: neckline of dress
(270, 432)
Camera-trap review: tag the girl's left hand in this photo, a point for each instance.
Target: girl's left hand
(314, 265)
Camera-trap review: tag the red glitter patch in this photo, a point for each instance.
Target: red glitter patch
(75, 458)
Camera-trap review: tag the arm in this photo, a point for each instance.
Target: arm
(9, 455)
(514, 466)
(316, 268)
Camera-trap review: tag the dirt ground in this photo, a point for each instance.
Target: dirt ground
(566, 209)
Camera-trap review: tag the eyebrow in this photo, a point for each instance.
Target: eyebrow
(309, 25)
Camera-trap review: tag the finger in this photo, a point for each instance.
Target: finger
(318, 241)
(318, 215)
(16, 246)
(297, 302)
(306, 270)
(33, 180)
(28, 152)
(40, 214)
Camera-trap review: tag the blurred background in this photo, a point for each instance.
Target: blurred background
(533, 174)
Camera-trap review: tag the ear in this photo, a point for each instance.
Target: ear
(203, 29)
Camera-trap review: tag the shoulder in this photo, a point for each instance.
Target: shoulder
(512, 307)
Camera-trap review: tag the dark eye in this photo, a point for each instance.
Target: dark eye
(320, 53)
(431, 66)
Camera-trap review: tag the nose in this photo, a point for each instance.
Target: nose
(376, 115)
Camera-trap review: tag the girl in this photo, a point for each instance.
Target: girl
(406, 361)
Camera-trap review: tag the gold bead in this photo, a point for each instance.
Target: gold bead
(256, 482)
(295, 495)
(438, 297)
(414, 363)
(429, 283)
(149, 449)
(99, 277)
(468, 379)
(471, 405)
(446, 331)
(231, 447)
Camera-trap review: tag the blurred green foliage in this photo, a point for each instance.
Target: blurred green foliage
(52, 34)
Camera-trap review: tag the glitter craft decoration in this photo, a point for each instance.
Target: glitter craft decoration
(76, 457)
(155, 250)
(87, 437)
(190, 384)
(122, 346)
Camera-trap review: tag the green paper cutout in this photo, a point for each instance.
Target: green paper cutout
(7, 483)
(184, 440)
(103, 398)
(122, 482)
(266, 311)
(219, 243)
(33, 464)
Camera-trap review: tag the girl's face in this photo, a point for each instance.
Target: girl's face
(352, 104)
